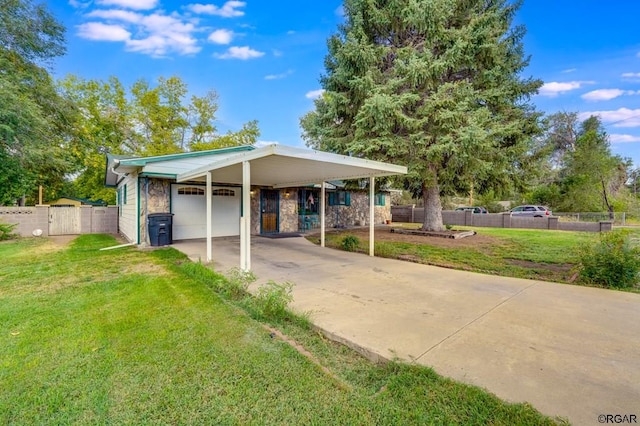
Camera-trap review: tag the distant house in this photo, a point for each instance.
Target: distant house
(281, 186)
(75, 202)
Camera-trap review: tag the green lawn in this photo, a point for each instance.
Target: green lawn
(522, 253)
(131, 337)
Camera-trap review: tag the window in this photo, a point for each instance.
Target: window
(190, 190)
(124, 194)
(340, 198)
(308, 201)
(379, 200)
(223, 192)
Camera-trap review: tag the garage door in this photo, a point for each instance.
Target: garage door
(188, 205)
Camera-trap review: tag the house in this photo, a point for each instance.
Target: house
(75, 202)
(285, 189)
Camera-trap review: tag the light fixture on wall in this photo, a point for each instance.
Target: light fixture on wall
(286, 194)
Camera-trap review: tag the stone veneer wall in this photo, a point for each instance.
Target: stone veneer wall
(288, 214)
(156, 200)
(255, 210)
(357, 214)
(289, 210)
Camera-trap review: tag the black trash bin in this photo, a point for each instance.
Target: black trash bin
(159, 228)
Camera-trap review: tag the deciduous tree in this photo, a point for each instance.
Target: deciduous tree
(33, 118)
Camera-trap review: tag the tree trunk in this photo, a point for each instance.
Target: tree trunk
(606, 200)
(432, 207)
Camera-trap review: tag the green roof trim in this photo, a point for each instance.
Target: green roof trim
(159, 175)
(143, 161)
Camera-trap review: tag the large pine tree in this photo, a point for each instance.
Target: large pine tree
(432, 84)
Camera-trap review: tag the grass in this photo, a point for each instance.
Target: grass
(131, 337)
(521, 253)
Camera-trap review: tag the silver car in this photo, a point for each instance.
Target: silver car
(531, 210)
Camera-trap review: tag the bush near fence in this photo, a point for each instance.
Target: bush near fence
(412, 214)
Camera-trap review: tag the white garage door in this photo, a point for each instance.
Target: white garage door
(188, 205)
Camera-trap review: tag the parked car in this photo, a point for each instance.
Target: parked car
(531, 211)
(475, 209)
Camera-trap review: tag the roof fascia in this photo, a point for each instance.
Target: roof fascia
(229, 161)
(379, 168)
(146, 160)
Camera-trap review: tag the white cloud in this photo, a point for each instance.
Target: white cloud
(618, 138)
(291, 32)
(228, 10)
(631, 75)
(244, 53)
(117, 15)
(79, 4)
(130, 4)
(156, 34)
(221, 37)
(554, 88)
(622, 117)
(278, 76)
(603, 94)
(314, 94)
(103, 32)
(339, 11)
(570, 70)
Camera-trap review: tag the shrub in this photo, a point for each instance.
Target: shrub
(272, 299)
(237, 283)
(350, 243)
(611, 262)
(6, 231)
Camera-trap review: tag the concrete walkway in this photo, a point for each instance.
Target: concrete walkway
(570, 351)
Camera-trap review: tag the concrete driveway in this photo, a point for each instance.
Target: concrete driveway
(570, 351)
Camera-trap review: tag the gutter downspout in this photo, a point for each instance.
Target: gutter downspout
(147, 241)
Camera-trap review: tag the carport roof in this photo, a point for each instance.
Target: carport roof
(282, 166)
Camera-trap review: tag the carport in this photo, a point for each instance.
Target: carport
(279, 166)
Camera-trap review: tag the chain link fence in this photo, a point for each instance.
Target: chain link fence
(619, 218)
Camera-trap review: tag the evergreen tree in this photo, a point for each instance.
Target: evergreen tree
(431, 84)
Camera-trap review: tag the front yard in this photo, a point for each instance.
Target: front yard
(131, 337)
(521, 253)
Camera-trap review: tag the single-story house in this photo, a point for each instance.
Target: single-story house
(75, 202)
(285, 189)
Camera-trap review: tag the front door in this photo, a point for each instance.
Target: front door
(269, 207)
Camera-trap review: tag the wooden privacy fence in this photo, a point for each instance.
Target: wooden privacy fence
(412, 214)
(48, 220)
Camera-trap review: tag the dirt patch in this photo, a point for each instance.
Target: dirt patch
(62, 240)
(385, 234)
(563, 269)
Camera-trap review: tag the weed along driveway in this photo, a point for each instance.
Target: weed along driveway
(569, 351)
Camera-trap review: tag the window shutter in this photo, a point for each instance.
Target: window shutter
(332, 198)
(347, 199)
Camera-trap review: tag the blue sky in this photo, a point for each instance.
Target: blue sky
(265, 58)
